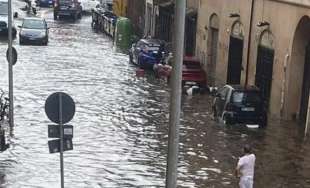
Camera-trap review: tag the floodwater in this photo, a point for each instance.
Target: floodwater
(121, 124)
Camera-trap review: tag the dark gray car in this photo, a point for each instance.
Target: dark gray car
(33, 31)
(237, 104)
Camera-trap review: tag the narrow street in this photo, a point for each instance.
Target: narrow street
(121, 123)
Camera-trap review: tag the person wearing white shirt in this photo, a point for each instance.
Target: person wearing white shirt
(245, 168)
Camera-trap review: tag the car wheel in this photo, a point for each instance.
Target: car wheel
(14, 32)
(263, 121)
(130, 58)
(214, 112)
(75, 17)
(55, 16)
(227, 119)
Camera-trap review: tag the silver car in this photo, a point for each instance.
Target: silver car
(33, 31)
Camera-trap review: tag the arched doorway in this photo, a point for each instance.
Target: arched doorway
(264, 66)
(212, 47)
(235, 54)
(300, 70)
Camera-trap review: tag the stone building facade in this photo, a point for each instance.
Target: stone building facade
(259, 42)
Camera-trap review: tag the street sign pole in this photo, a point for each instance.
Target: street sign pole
(11, 107)
(60, 109)
(61, 142)
(175, 96)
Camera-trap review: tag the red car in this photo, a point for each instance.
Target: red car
(192, 72)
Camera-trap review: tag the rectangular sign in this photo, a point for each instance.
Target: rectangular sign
(54, 131)
(54, 145)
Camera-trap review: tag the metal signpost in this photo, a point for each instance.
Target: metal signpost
(60, 109)
(11, 107)
(175, 96)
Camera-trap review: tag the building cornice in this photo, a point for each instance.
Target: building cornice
(300, 3)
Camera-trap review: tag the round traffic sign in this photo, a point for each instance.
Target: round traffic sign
(59, 108)
(14, 55)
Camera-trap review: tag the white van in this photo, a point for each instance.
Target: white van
(4, 19)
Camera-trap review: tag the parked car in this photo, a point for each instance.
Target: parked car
(147, 52)
(33, 31)
(237, 104)
(4, 19)
(71, 8)
(192, 73)
(89, 5)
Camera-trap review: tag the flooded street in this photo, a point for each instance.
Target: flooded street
(121, 124)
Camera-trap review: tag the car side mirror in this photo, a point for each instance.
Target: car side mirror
(15, 15)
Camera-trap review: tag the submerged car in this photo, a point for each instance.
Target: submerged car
(147, 52)
(192, 73)
(4, 20)
(71, 8)
(33, 31)
(237, 104)
(89, 5)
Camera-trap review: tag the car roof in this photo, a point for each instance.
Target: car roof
(33, 18)
(242, 88)
(152, 41)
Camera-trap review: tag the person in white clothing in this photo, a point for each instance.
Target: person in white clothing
(245, 168)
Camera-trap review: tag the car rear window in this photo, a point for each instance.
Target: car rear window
(192, 64)
(246, 97)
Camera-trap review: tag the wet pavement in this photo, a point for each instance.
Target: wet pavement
(121, 124)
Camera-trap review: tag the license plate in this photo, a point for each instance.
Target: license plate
(248, 109)
(191, 83)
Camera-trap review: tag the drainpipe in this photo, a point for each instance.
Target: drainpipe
(283, 84)
(249, 45)
(308, 118)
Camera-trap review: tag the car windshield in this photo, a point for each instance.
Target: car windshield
(34, 24)
(246, 97)
(3, 8)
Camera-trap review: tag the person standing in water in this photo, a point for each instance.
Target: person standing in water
(245, 168)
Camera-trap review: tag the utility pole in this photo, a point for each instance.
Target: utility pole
(11, 107)
(175, 96)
